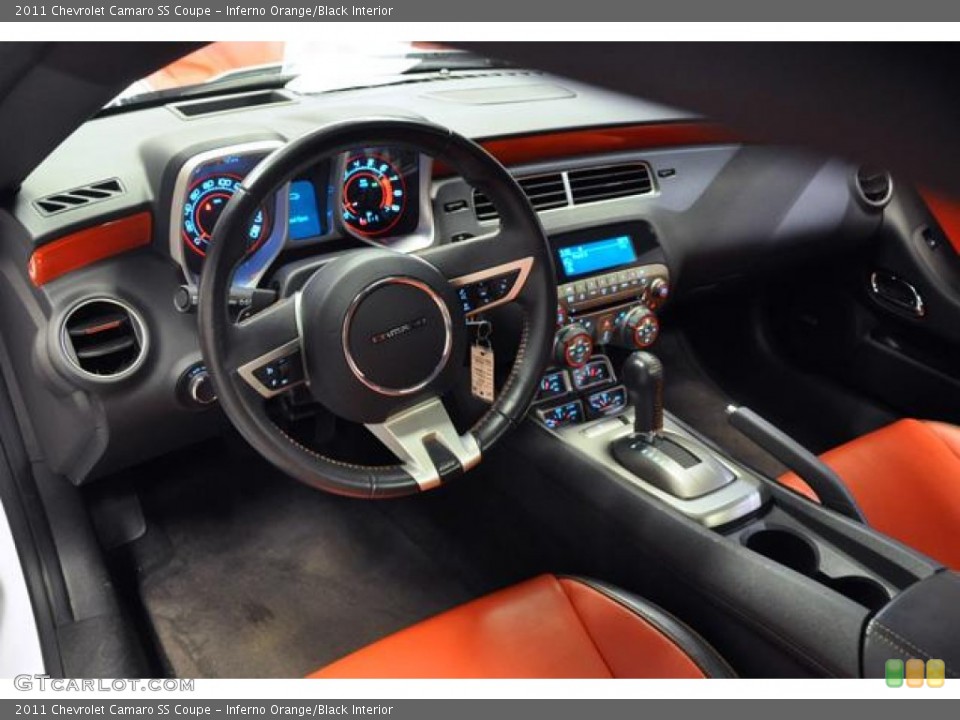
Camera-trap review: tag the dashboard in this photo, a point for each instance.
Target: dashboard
(642, 204)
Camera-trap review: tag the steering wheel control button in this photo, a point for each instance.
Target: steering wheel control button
(281, 373)
(397, 336)
(478, 295)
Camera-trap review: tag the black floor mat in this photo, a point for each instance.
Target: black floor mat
(246, 573)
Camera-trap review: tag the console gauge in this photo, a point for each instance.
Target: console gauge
(607, 402)
(205, 202)
(374, 194)
(561, 415)
(596, 372)
(553, 384)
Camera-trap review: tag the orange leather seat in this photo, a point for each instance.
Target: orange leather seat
(906, 479)
(548, 627)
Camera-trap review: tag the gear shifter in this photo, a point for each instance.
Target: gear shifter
(668, 461)
(643, 376)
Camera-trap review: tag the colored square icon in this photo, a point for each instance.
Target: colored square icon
(893, 671)
(936, 672)
(914, 673)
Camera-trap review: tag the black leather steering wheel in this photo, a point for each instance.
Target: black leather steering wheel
(376, 336)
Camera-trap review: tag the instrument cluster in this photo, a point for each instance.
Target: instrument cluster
(368, 194)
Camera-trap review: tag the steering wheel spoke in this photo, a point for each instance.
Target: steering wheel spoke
(266, 349)
(427, 444)
(486, 271)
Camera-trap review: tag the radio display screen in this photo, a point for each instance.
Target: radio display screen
(597, 256)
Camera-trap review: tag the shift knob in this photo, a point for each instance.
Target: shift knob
(643, 377)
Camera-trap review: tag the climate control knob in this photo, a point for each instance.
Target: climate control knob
(658, 292)
(574, 346)
(639, 328)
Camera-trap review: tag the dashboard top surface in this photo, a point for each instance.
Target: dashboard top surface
(135, 146)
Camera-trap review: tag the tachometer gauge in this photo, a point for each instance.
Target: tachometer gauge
(374, 194)
(206, 200)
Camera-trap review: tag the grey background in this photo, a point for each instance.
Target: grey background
(471, 709)
(513, 11)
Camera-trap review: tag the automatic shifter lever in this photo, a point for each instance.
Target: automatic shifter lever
(643, 377)
(668, 461)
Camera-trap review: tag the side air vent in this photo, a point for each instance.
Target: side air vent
(104, 339)
(545, 192)
(874, 185)
(214, 106)
(83, 195)
(609, 182)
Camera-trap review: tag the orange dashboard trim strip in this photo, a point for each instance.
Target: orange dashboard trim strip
(88, 246)
(947, 213)
(569, 143)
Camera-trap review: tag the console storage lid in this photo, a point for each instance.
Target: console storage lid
(921, 622)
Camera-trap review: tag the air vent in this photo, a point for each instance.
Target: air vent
(609, 182)
(214, 106)
(84, 195)
(588, 185)
(104, 339)
(544, 192)
(874, 185)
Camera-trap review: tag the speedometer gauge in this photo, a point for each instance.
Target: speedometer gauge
(374, 194)
(205, 203)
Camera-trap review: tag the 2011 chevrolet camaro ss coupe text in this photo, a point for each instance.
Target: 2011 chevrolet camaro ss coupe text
(327, 361)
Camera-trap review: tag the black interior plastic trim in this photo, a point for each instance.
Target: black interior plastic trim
(31, 535)
(898, 563)
(824, 481)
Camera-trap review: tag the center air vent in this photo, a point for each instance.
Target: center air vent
(104, 339)
(609, 182)
(544, 192)
(586, 185)
(84, 195)
(874, 185)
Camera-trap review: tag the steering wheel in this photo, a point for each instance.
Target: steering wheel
(376, 336)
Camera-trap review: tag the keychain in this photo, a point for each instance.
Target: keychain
(481, 363)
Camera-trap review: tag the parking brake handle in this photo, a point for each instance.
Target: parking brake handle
(817, 474)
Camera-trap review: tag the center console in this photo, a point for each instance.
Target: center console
(611, 283)
(747, 561)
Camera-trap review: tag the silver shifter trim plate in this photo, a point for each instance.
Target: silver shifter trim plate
(743, 495)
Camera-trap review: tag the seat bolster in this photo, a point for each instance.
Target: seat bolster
(949, 434)
(670, 646)
(542, 628)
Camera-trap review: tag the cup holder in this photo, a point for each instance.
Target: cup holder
(864, 591)
(785, 547)
(799, 554)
